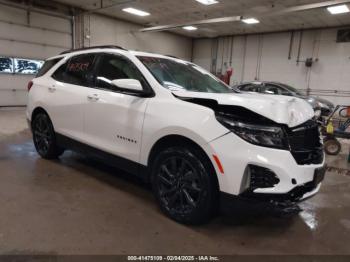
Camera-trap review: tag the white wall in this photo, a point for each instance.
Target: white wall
(265, 57)
(105, 31)
(43, 37)
(46, 36)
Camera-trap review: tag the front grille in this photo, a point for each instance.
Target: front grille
(325, 112)
(305, 143)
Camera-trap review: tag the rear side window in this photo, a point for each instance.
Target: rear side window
(47, 66)
(77, 71)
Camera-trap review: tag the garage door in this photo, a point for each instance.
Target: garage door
(27, 39)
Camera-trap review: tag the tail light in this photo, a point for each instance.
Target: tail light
(30, 84)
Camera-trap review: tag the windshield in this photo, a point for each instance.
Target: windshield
(179, 75)
(295, 91)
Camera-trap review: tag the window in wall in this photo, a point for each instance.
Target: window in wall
(15, 65)
(6, 65)
(27, 66)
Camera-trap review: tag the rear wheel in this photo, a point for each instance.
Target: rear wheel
(182, 184)
(44, 137)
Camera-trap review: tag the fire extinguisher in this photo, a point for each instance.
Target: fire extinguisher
(229, 73)
(226, 77)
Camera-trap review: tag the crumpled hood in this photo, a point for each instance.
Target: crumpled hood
(291, 111)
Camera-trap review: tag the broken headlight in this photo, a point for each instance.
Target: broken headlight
(262, 135)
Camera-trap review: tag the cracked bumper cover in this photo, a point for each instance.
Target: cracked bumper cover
(229, 202)
(296, 182)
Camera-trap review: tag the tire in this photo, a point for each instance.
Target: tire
(332, 147)
(183, 184)
(44, 137)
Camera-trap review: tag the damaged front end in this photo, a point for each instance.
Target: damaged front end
(252, 202)
(302, 139)
(274, 204)
(303, 142)
(258, 178)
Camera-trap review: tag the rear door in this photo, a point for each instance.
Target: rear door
(114, 119)
(68, 95)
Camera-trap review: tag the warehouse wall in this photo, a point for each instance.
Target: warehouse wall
(36, 36)
(40, 36)
(101, 30)
(265, 57)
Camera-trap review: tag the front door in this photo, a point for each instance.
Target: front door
(114, 120)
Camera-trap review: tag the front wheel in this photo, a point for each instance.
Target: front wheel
(44, 137)
(182, 184)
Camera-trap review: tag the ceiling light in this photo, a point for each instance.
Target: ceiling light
(207, 2)
(250, 21)
(190, 28)
(338, 9)
(135, 11)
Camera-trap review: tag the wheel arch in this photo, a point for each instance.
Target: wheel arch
(179, 140)
(37, 111)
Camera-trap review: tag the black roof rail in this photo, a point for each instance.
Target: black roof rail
(93, 47)
(172, 56)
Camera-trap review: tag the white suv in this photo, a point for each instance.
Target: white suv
(198, 142)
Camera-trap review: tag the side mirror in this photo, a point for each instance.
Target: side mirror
(128, 84)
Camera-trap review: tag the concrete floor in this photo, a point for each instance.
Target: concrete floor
(77, 206)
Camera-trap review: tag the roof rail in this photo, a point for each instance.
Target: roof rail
(172, 56)
(93, 47)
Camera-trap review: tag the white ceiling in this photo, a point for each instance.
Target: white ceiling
(165, 12)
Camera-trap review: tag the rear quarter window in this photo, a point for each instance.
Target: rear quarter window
(47, 66)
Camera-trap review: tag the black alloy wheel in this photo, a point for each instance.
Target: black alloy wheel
(44, 137)
(179, 185)
(182, 185)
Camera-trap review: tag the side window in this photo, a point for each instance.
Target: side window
(243, 87)
(77, 71)
(285, 92)
(271, 89)
(112, 67)
(250, 88)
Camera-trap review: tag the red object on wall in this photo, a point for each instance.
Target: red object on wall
(227, 76)
(229, 73)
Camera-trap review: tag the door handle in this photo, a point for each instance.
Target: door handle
(52, 89)
(93, 98)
